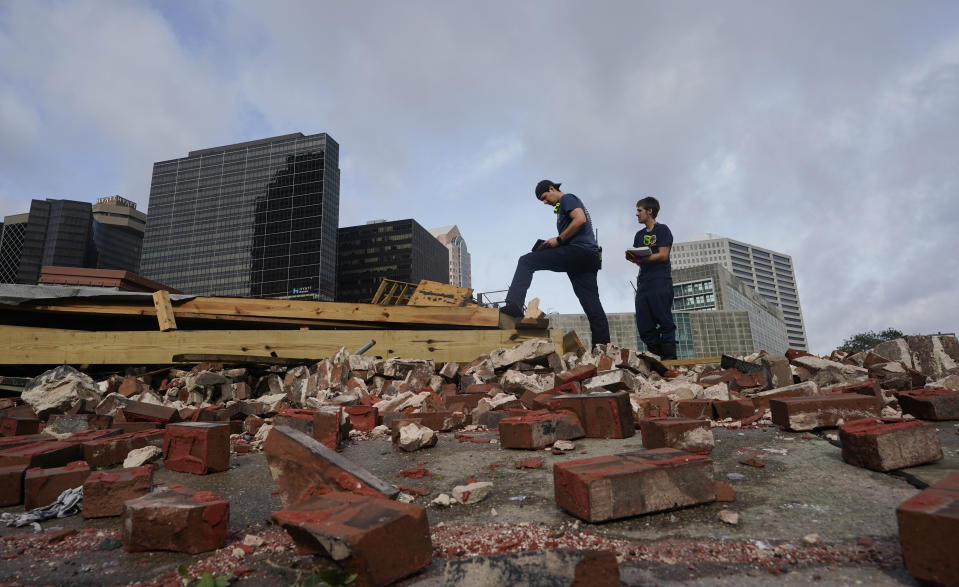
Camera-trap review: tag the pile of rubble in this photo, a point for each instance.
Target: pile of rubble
(70, 431)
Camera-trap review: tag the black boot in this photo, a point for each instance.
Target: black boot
(512, 309)
(656, 349)
(669, 351)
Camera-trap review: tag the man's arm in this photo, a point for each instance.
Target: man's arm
(577, 220)
(660, 256)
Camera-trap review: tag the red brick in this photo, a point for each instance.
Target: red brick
(104, 492)
(175, 518)
(492, 418)
(135, 411)
(656, 406)
(468, 401)
(888, 444)
(381, 541)
(93, 434)
(865, 387)
(441, 421)
(131, 386)
(804, 389)
(17, 426)
(930, 404)
(575, 374)
(11, 485)
(928, 526)
(331, 427)
(825, 411)
(7, 442)
(541, 400)
(737, 409)
(302, 468)
(41, 454)
(197, 447)
(692, 435)
(363, 418)
(131, 427)
(301, 420)
(113, 450)
(603, 415)
(539, 429)
(634, 483)
(41, 487)
(698, 409)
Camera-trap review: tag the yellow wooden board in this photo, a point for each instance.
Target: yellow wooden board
(308, 312)
(164, 310)
(22, 345)
(433, 293)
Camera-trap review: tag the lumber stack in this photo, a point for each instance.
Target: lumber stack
(154, 329)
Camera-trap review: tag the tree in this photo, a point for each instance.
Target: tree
(869, 339)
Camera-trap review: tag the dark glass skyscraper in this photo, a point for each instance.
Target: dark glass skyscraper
(253, 219)
(400, 250)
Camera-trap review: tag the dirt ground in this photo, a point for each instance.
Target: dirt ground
(804, 517)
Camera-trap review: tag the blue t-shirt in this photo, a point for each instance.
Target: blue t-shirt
(585, 236)
(660, 236)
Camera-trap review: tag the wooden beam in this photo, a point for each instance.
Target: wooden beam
(24, 345)
(292, 310)
(434, 293)
(164, 310)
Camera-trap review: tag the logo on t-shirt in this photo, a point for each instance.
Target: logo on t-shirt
(649, 240)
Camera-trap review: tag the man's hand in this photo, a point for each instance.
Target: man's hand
(552, 243)
(633, 259)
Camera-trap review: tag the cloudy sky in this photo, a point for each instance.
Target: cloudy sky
(825, 130)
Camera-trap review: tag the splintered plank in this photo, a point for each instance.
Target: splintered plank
(433, 293)
(164, 309)
(24, 345)
(266, 309)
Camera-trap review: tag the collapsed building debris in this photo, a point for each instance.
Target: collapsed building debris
(530, 394)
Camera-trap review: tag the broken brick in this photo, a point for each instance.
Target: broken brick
(613, 380)
(697, 409)
(806, 388)
(41, 454)
(331, 427)
(302, 468)
(575, 374)
(691, 435)
(112, 450)
(302, 420)
(864, 387)
(11, 485)
(104, 492)
(197, 447)
(135, 411)
(619, 486)
(539, 429)
(827, 411)
(888, 444)
(529, 463)
(928, 526)
(650, 407)
(441, 421)
(41, 487)
(363, 418)
(602, 415)
(930, 404)
(19, 426)
(175, 518)
(737, 409)
(381, 541)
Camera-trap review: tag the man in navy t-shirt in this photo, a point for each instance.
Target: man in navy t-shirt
(574, 252)
(654, 288)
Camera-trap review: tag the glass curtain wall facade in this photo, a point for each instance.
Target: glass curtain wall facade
(59, 233)
(400, 250)
(256, 219)
(460, 260)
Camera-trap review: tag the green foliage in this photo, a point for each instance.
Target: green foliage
(869, 339)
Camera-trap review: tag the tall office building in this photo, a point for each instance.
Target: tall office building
(118, 233)
(460, 270)
(67, 233)
(400, 250)
(769, 273)
(11, 246)
(253, 219)
(715, 314)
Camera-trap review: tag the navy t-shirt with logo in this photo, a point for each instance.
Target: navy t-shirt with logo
(584, 237)
(659, 236)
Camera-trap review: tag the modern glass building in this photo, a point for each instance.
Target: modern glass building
(400, 250)
(460, 270)
(256, 219)
(769, 273)
(67, 233)
(715, 314)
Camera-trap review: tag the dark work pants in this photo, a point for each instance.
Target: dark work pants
(654, 311)
(581, 265)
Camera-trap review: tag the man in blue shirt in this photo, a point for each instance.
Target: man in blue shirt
(574, 252)
(654, 286)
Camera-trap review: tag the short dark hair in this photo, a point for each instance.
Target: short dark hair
(651, 204)
(544, 186)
